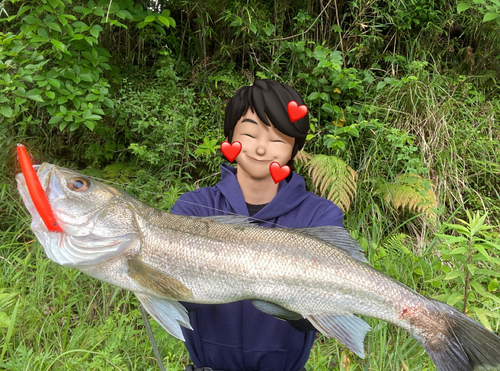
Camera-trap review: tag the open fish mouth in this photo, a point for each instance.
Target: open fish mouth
(77, 245)
(44, 173)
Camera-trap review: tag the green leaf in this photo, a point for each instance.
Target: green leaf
(459, 251)
(80, 9)
(63, 125)
(91, 40)
(89, 124)
(450, 239)
(99, 11)
(20, 101)
(149, 18)
(124, 14)
(6, 111)
(455, 298)
(94, 32)
(54, 26)
(454, 274)
(483, 252)
(55, 120)
(482, 315)
(108, 102)
(34, 96)
(491, 244)
(352, 131)
(313, 95)
(478, 288)
(42, 32)
(489, 17)
(70, 30)
(55, 83)
(86, 77)
(459, 228)
(31, 20)
(63, 20)
(59, 45)
(50, 94)
(493, 285)
(164, 20)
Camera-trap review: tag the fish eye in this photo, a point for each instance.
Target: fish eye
(79, 184)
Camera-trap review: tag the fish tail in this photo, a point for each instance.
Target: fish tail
(454, 342)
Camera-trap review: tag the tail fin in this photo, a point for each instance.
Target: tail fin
(466, 346)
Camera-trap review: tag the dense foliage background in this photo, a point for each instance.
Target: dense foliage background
(404, 99)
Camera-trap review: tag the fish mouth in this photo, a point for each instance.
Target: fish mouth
(50, 187)
(78, 244)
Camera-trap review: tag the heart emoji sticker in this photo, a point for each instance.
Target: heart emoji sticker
(230, 151)
(296, 112)
(278, 173)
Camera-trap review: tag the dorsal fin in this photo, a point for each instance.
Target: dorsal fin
(236, 220)
(337, 236)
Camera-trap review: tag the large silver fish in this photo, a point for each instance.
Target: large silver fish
(316, 273)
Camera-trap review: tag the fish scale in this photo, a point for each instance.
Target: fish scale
(317, 273)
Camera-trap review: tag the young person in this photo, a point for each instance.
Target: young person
(237, 336)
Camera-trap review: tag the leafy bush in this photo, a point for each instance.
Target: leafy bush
(470, 266)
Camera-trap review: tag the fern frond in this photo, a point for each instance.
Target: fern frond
(332, 178)
(303, 157)
(412, 192)
(398, 242)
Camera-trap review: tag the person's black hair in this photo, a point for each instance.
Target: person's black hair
(268, 99)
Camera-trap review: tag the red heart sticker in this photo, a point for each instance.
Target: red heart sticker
(231, 151)
(278, 173)
(296, 112)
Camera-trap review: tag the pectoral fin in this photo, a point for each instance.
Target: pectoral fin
(153, 279)
(168, 313)
(275, 310)
(348, 329)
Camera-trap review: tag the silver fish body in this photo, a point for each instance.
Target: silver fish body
(317, 273)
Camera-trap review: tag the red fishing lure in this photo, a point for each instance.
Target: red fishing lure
(36, 191)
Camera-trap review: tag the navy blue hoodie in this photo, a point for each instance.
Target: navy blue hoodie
(237, 336)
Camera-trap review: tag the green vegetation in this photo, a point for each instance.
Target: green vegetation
(405, 136)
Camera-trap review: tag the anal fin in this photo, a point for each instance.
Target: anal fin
(348, 329)
(168, 313)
